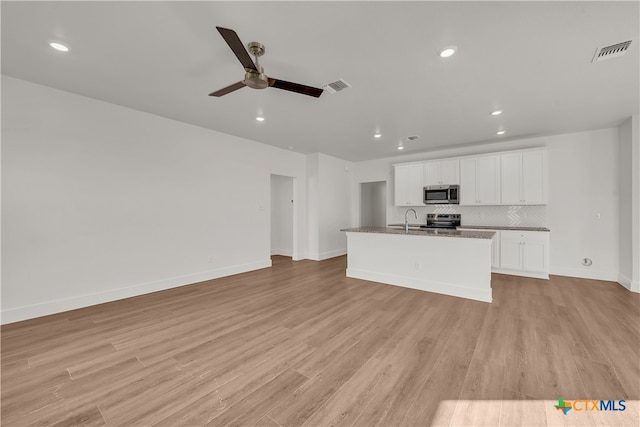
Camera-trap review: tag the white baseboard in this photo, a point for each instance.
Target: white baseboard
(628, 283)
(317, 256)
(423, 285)
(521, 273)
(624, 281)
(333, 254)
(583, 273)
(283, 252)
(57, 306)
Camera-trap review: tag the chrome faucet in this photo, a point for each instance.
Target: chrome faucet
(406, 221)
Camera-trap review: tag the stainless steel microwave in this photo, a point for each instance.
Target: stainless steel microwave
(442, 195)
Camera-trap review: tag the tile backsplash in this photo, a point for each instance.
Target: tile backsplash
(508, 216)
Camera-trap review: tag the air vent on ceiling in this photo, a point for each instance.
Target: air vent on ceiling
(336, 86)
(612, 51)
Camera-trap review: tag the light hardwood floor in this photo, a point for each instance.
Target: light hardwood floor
(301, 344)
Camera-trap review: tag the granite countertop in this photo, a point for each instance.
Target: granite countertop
(482, 227)
(424, 232)
(497, 227)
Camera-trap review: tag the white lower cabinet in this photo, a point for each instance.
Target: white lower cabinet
(520, 253)
(524, 253)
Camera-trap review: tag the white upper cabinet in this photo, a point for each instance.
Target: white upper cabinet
(480, 180)
(409, 184)
(505, 178)
(524, 178)
(442, 172)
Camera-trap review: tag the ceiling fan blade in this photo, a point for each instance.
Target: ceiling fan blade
(228, 89)
(237, 47)
(295, 87)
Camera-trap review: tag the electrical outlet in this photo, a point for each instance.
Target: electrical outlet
(418, 265)
(211, 259)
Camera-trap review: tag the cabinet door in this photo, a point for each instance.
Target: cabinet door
(511, 254)
(511, 178)
(488, 180)
(401, 176)
(409, 184)
(432, 173)
(449, 172)
(524, 178)
(415, 185)
(533, 256)
(468, 184)
(534, 177)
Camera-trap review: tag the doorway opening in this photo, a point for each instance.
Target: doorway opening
(373, 204)
(282, 216)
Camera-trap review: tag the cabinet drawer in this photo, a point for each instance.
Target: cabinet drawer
(531, 236)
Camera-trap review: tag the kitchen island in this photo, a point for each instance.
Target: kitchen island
(450, 262)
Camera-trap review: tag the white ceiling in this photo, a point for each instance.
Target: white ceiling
(530, 59)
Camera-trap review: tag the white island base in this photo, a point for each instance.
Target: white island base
(455, 266)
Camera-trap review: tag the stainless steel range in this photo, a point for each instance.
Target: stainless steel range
(442, 221)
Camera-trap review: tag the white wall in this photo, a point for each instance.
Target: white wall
(583, 181)
(373, 204)
(335, 207)
(313, 205)
(281, 215)
(583, 177)
(629, 181)
(101, 202)
(329, 187)
(635, 209)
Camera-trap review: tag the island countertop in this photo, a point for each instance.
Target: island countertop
(509, 228)
(468, 234)
(482, 227)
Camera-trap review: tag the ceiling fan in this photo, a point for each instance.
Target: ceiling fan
(254, 76)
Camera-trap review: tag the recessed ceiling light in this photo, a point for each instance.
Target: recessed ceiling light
(496, 112)
(260, 119)
(59, 46)
(447, 51)
(500, 132)
(290, 147)
(413, 137)
(400, 147)
(377, 135)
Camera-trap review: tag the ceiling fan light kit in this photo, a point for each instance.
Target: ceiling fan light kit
(254, 76)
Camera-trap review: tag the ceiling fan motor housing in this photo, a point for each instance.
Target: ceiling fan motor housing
(256, 79)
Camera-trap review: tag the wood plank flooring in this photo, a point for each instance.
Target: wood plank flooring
(300, 344)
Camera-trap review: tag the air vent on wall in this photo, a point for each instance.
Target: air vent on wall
(336, 86)
(612, 51)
